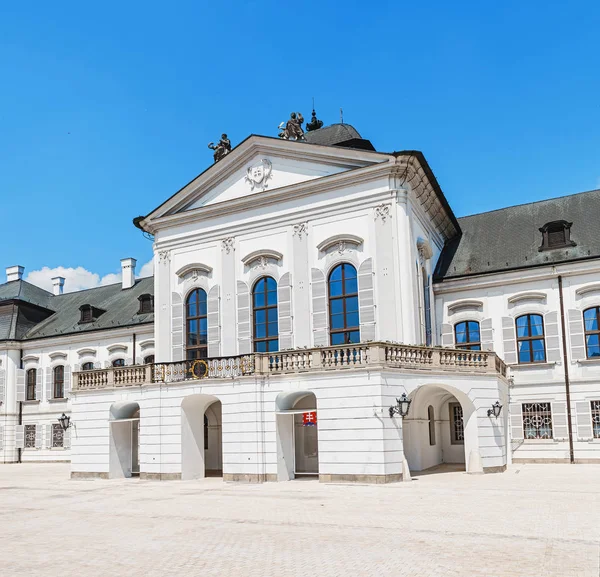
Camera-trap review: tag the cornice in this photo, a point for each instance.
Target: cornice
(262, 253)
(465, 304)
(587, 289)
(528, 296)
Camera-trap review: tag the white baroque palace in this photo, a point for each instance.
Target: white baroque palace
(300, 289)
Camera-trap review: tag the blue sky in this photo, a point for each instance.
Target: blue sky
(106, 108)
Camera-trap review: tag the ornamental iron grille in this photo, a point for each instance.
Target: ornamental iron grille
(591, 319)
(457, 424)
(31, 380)
(264, 306)
(59, 382)
(343, 305)
(30, 436)
(537, 421)
(530, 339)
(196, 325)
(467, 336)
(596, 418)
(58, 436)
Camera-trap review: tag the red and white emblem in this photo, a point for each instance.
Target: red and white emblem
(309, 419)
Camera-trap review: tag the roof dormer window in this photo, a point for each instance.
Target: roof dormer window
(146, 304)
(89, 313)
(556, 234)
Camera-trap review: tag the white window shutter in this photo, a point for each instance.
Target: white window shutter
(552, 340)
(319, 305)
(516, 421)
(560, 430)
(486, 333)
(49, 388)
(2, 386)
(20, 384)
(67, 381)
(214, 322)
(366, 301)
(284, 311)
(38, 384)
(176, 327)
(576, 331)
(38, 436)
(447, 335)
(243, 318)
(20, 436)
(509, 338)
(67, 439)
(1, 437)
(48, 428)
(584, 420)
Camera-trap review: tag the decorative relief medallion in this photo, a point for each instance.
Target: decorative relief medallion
(301, 230)
(341, 247)
(261, 262)
(383, 211)
(164, 256)
(227, 244)
(258, 175)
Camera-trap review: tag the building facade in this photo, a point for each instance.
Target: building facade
(300, 290)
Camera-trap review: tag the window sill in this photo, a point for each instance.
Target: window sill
(540, 441)
(595, 361)
(31, 402)
(533, 365)
(63, 400)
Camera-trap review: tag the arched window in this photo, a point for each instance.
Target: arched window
(344, 326)
(89, 366)
(467, 336)
(196, 325)
(530, 339)
(31, 381)
(59, 381)
(431, 418)
(591, 319)
(264, 307)
(118, 363)
(149, 360)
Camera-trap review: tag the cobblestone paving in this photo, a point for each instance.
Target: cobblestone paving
(532, 521)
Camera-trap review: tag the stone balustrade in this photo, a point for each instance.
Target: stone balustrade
(343, 357)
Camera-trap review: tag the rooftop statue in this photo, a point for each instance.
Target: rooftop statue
(222, 148)
(292, 130)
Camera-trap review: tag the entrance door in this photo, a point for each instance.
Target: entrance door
(306, 447)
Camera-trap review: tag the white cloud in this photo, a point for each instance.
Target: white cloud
(79, 278)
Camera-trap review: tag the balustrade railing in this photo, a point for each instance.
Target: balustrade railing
(372, 354)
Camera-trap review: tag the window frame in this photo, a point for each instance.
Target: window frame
(57, 428)
(147, 362)
(431, 422)
(545, 413)
(87, 366)
(529, 339)
(468, 345)
(146, 302)
(58, 382)
(30, 387)
(29, 443)
(193, 349)
(595, 416)
(118, 363)
(266, 307)
(587, 333)
(454, 431)
(344, 297)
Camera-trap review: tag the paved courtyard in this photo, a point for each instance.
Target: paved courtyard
(533, 521)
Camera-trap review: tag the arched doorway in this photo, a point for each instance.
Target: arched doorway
(201, 437)
(297, 435)
(124, 453)
(441, 428)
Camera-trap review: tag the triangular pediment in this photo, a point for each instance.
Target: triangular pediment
(261, 164)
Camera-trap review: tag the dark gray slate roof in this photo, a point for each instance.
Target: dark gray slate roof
(24, 291)
(330, 135)
(509, 238)
(121, 308)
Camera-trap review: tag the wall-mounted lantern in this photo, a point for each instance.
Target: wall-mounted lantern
(402, 406)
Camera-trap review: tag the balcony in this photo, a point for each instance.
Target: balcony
(347, 357)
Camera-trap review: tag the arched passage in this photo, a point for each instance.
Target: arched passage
(124, 452)
(201, 437)
(441, 427)
(297, 435)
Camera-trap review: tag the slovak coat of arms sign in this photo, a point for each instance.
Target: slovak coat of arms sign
(258, 175)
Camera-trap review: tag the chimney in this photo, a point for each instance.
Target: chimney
(128, 272)
(14, 273)
(58, 285)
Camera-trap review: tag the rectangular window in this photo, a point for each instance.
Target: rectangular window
(31, 382)
(57, 435)
(457, 427)
(537, 421)
(530, 339)
(596, 418)
(30, 436)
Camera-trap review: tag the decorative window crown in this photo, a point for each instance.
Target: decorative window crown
(556, 234)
